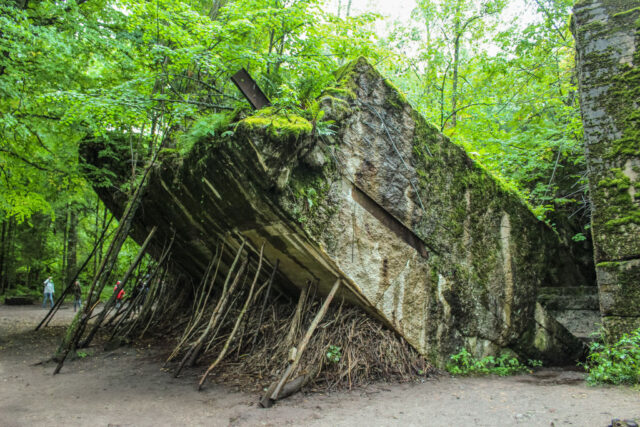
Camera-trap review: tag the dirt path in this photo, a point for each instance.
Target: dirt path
(127, 387)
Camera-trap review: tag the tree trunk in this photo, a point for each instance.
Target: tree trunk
(3, 239)
(96, 240)
(215, 9)
(456, 61)
(105, 214)
(9, 254)
(72, 244)
(65, 241)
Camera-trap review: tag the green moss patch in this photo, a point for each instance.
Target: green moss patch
(278, 125)
(619, 290)
(339, 92)
(617, 207)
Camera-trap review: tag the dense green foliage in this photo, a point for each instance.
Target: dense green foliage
(505, 90)
(464, 363)
(146, 71)
(157, 75)
(617, 363)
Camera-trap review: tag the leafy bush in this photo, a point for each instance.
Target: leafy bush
(464, 363)
(618, 363)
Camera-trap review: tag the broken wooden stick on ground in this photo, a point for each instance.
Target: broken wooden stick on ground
(273, 393)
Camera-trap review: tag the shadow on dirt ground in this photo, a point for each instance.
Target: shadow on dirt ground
(127, 387)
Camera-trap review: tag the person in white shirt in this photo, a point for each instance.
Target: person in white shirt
(48, 292)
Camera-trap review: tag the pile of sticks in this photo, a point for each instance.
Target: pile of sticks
(255, 336)
(239, 325)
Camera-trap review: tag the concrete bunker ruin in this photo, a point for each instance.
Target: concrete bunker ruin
(423, 238)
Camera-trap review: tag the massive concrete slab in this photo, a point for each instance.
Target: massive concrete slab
(607, 38)
(423, 237)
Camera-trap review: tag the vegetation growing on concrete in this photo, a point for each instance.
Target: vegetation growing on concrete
(211, 127)
(277, 124)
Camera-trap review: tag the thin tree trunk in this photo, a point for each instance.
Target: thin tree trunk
(442, 107)
(456, 63)
(96, 228)
(3, 241)
(297, 317)
(11, 253)
(65, 243)
(264, 303)
(215, 9)
(72, 245)
(105, 214)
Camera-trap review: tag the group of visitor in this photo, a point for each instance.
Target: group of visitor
(138, 296)
(49, 290)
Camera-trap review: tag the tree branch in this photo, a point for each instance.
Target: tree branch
(30, 163)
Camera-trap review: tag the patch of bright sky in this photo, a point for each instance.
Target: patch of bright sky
(390, 9)
(522, 11)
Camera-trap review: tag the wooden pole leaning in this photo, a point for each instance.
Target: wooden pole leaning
(274, 391)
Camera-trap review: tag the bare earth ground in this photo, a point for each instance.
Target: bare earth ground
(127, 387)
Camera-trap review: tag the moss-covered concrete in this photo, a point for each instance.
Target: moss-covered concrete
(478, 287)
(619, 284)
(423, 237)
(278, 125)
(607, 34)
(606, 39)
(615, 326)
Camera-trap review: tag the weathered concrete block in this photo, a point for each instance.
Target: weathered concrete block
(609, 78)
(424, 238)
(607, 38)
(549, 340)
(616, 326)
(619, 288)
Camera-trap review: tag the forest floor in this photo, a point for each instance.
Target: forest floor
(127, 387)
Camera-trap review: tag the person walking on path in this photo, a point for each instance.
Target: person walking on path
(77, 296)
(48, 292)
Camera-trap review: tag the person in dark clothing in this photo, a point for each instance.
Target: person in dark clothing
(77, 296)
